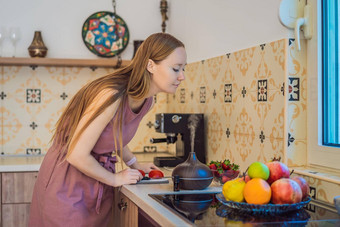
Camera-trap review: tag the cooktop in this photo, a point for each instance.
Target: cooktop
(206, 210)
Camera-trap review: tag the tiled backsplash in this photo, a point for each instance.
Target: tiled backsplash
(32, 99)
(241, 95)
(254, 101)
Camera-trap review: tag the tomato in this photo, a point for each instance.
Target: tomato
(156, 174)
(142, 172)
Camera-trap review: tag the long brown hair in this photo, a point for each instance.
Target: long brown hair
(133, 80)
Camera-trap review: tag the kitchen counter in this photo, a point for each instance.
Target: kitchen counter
(139, 194)
(20, 163)
(24, 163)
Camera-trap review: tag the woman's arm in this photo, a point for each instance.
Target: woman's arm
(81, 157)
(128, 157)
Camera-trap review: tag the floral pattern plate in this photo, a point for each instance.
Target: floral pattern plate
(266, 208)
(105, 34)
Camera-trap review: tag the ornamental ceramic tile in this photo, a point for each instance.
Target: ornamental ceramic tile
(256, 110)
(61, 75)
(297, 153)
(325, 191)
(214, 131)
(297, 123)
(16, 78)
(17, 141)
(74, 79)
(16, 111)
(244, 144)
(191, 71)
(244, 59)
(274, 122)
(204, 78)
(248, 81)
(275, 58)
(227, 149)
(230, 113)
(213, 67)
(297, 92)
(279, 52)
(11, 126)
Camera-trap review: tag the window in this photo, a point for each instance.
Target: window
(319, 138)
(330, 73)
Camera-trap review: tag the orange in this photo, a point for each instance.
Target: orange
(257, 191)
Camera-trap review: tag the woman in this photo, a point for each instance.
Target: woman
(76, 179)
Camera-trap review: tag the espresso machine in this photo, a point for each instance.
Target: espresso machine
(175, 127)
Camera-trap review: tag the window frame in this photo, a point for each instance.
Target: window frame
(318, 154)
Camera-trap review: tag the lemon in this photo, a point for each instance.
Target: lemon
(233, 190)
(258, 170)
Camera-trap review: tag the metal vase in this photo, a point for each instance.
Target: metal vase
(37, 47)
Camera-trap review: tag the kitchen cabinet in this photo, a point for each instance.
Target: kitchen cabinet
(16, 196)
(126, 213)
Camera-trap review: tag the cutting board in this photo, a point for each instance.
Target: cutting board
(154, 181)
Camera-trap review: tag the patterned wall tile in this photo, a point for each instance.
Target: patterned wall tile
(276, 59)
(214, 130)
(214, 68)
(245, 128)
(296, 152)
(297, 103)
(325, 191)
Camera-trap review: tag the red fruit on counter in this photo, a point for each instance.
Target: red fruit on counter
(225, 179)
(246, 178)
(216, 174)
(156, 174)
(226, 165)
(277, 170)
(212, 166)
(303, 185)
(285, 191)
(142, 172)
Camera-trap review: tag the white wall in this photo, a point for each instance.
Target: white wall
(208, 28)
(216, 27)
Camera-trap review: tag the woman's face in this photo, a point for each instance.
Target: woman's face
(168, 74)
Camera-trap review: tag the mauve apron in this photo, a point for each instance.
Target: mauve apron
(64, 196)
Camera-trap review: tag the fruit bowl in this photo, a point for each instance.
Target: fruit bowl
(225, 176)
(223, 171)
(263, 209)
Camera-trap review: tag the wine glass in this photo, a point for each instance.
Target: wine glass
(14, 35)
(2, 38)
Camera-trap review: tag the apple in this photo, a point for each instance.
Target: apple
(246, 178)
(303, 185)
(277, 170)
(285, 191)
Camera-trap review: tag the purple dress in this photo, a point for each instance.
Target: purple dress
(64, 196)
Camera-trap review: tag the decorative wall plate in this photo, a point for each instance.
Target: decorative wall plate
(105, 34)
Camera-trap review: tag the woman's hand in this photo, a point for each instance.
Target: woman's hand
(147, 167)
(127, 176)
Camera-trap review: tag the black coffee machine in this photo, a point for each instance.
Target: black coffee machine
(175, 126)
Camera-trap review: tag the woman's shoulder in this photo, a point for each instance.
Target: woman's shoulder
(100, 101)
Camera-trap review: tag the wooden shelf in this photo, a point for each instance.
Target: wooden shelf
(59, 62)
